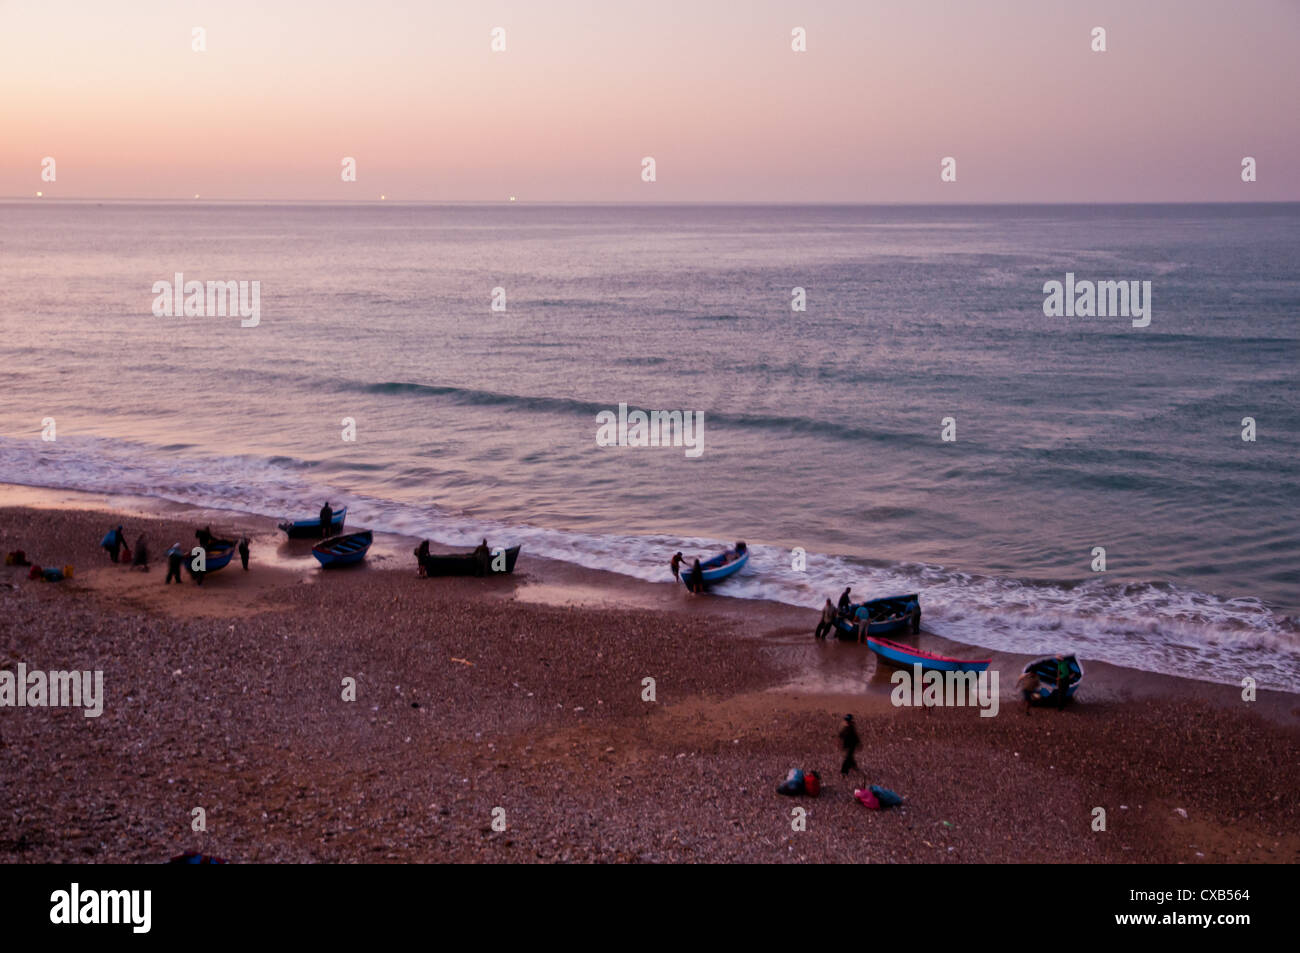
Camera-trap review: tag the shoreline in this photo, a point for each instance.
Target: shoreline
(526, 693)
(553, 582)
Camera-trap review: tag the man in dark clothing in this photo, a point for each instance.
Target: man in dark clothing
(116, 541)
(243, 551)
(204, 536)
(481, 556)
(696, 581)
(827, 625)
(676, 565)
(175, 556)
(326, 518)
(1062, 682)
(845, 602)
(421, 554)
(849, 741)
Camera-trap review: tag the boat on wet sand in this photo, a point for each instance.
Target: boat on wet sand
(310, 528)
(343, 550)
(905, 656)
(466, 564)
(882, 617)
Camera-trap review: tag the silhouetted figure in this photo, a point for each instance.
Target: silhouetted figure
(175, 556)
(141, 555)
(849, 741)
(481, 556)
(827, 623)
(845, 602)
(114, 542)
(204, 536)
(696, 583)
(243, 551)
(676, 565)
(421, 554)
(1062, 682)
(326, 518)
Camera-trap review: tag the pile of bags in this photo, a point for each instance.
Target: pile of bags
(876, 797)
(799, 783)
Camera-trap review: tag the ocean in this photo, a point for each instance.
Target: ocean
(823, 428)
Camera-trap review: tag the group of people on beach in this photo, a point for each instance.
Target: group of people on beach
(114, 543)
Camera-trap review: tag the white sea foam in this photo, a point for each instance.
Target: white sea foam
(1149, 626)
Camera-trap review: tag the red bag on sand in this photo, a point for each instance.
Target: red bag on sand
(867, 799)
(812, 784)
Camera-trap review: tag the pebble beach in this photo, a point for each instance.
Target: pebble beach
(510, 720)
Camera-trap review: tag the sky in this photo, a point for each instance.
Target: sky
(1011, 89)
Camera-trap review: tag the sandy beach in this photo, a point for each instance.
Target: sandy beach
(525, 693)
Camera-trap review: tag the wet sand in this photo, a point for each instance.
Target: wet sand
(525, 693)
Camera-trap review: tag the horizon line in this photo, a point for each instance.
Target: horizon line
(81, 199)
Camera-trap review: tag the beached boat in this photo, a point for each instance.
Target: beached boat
(882, 616)
(1045, 669)
(310, 528)
(719, 567)
(217, 555)
(343, 550)
(465, 564)
(904, 656)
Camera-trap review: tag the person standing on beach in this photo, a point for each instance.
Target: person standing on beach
(1062, 681)
(326, 518)
(849, 741)
(845, 602)
(676, 565)
(696, 581)
(421, 554)
(114, 542)
(141, 558)
(175, 556)
(827, 624)
(243, 551)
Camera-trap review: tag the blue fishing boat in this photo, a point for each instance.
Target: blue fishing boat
(904, 656)
(343, 550)
(717, 568)
(1045, 669)
(310, 528)
(216, 554)
(881, 617)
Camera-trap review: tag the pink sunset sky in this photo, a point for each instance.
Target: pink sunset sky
(713, 91)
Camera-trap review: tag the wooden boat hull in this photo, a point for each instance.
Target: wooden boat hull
(715, 569)
(905, 656)
(887, 616)
(343, 550)
(310, 529)
(1045, 669)
(465, 564)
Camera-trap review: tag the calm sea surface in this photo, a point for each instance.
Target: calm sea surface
(822, 428)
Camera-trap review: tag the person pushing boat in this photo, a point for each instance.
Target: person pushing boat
(1028, 684)
(845, 602)
(695, 582)
(827, 624)
(676, 565)
(1062, 681)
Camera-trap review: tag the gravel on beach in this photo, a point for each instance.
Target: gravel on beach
(474, 711)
